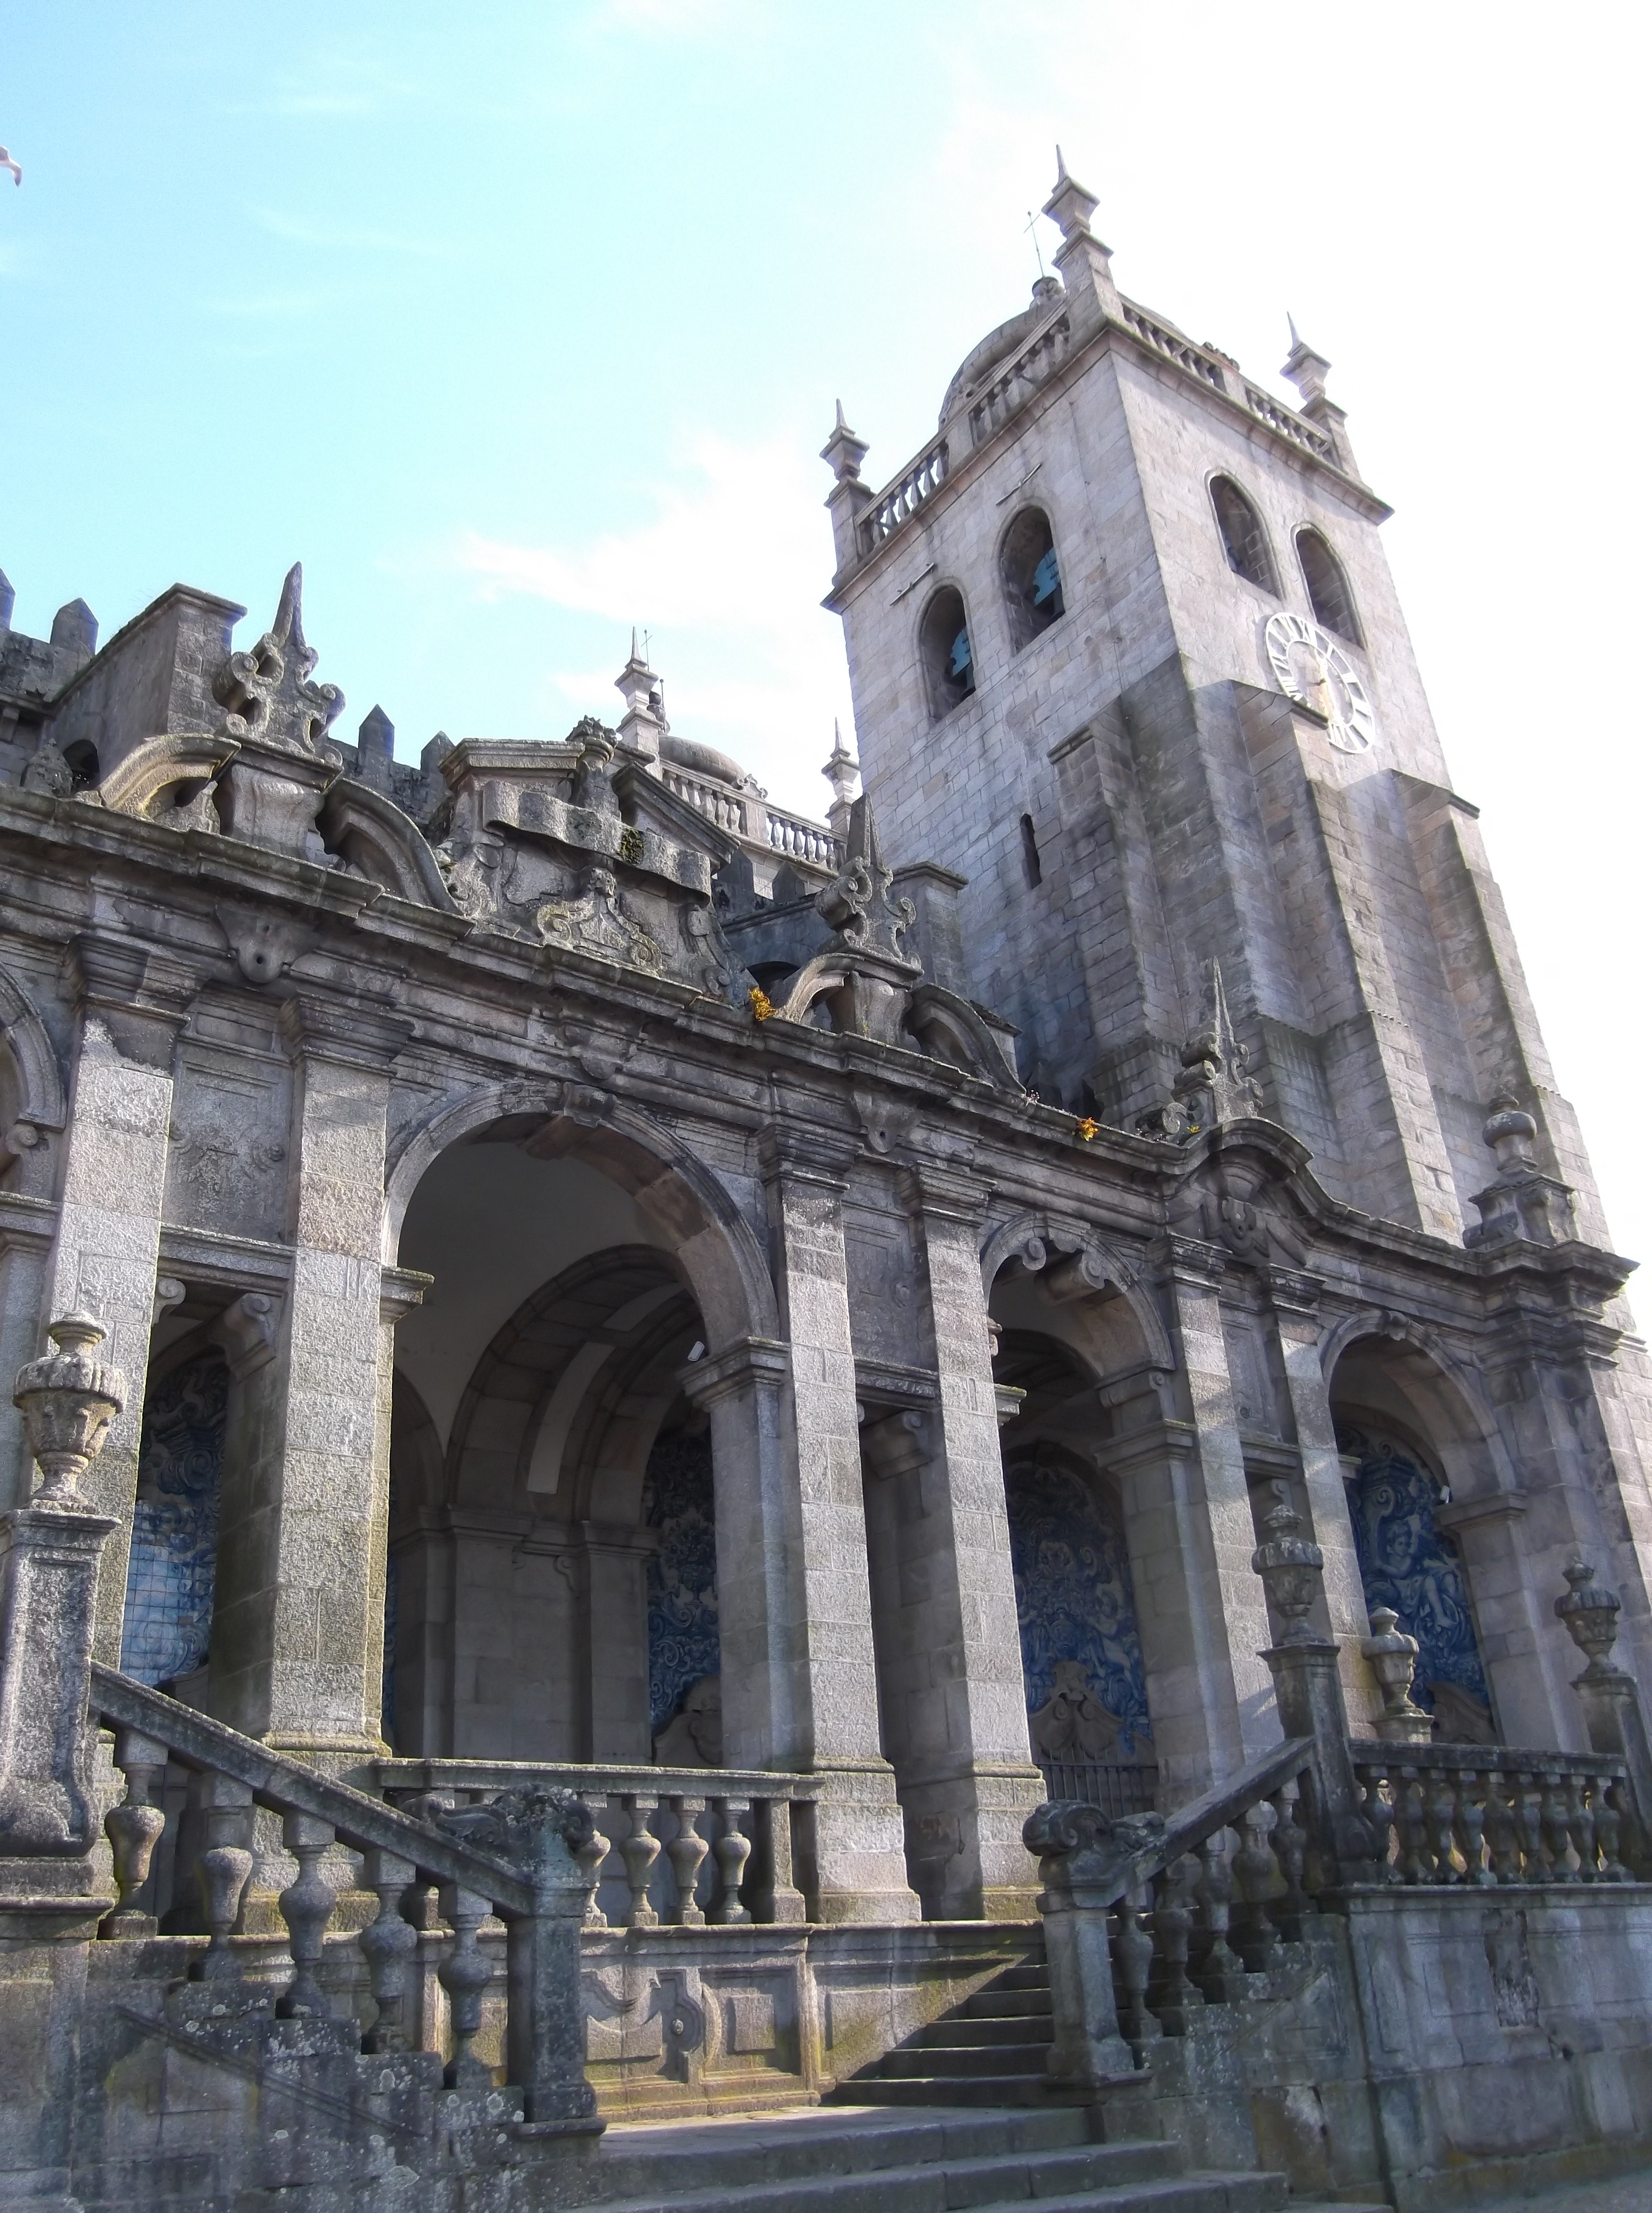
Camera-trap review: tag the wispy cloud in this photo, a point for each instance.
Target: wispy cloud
(728, 573)
(345, 238)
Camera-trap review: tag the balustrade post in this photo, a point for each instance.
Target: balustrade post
(540, 1832)
(134, 1828)
(590, 1855)
(1219, 1970)
(465, 1974)
(388, 1945)
(778, 1898)
(639, 1850)
(49, 1552)
(1610, 1698)
(223, 1870)
(686, 1851)
(306, 1906)
(1308, 1684)
(732, 1849)
(1077, 1854)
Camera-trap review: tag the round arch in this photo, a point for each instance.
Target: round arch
(715, 1245)
(1079, 1259)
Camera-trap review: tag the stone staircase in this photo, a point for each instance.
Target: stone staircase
(989, 2051)
(927, 2160)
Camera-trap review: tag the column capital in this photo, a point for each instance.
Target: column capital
(742, 1366)
(945, 1192)
(1193, 1262)
(142, 991)
(814, 1156)
(352, 1036)
(1295, 1292)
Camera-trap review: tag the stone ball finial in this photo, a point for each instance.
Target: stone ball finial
(1590, 1617)
(68, 1400)
(1509, 1131)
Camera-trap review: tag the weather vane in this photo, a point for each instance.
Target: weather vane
(1032, 232)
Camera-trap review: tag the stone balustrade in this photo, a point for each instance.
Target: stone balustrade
(1148, 1920)
(724, 808)
(904, 497)
(517, 1858)
(1288, 425)
(1482, 1814)
(1116, 1786)
(1173, 345)
(670, 1846)
(1015, 383)
(803, 840)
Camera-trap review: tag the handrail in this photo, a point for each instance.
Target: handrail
(288, 1785)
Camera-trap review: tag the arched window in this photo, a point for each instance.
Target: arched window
(1242, 537)
(1327, 587)
(1032, 577)
(949, 659)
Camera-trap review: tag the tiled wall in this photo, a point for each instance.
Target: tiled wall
(682, 1589)
(1073, 1594)
(174, 1550)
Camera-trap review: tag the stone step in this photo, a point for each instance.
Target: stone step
(951, 2032)
(949, 2090)
(1123, 2178)
(638, 2158)
(962, 2060)
(1032, 1975)
(994, 2005)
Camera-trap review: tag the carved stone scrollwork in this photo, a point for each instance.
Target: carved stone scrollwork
(597, 922)
(1214, 1084)
(270, 688)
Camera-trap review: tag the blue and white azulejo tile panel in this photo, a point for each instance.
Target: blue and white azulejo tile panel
(169, 1579)
(1408, 1564)
(682, 1590)
(1073, 1593)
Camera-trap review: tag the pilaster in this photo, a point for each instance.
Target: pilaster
(305, 1666)
(1295, 1301)
(968, 1780)
(132, 1000)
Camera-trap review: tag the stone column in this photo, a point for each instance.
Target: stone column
(133, 1000)
(967, 1765)
(1296, 1314)
(303, 1609)
(799, 1677)
(1199, 1610)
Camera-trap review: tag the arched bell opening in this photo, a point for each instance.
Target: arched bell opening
(1417, 1466)
(552, 1594)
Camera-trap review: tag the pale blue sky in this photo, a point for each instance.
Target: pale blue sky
(519, 323)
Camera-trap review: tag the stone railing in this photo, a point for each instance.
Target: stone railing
(1014, 385)
(1116, 1786)
(1173, 345)
(1480, 1814)
(515, 1858)
(1278, 416)
(904, 497)
(1147, 1919)
(801, 839)
(725, 808)
(682, 1846)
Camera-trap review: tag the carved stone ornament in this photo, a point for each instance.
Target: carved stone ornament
(68, 1400)
(1214, 1084)
(1056, 1828)
(526, 1826)
(270, 688)
(1392, 1656)
(596, 923)
(857, 904)
(1291, 1569)
(1590, 1616)
(1522, 1203)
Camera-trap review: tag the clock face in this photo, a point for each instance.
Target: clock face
(1312, 670)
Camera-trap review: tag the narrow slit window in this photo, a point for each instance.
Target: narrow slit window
(1030, 860)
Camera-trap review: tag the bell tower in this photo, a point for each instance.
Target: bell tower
(1126, 654)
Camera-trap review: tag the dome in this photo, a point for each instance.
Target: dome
(700, 760)
(978, 366)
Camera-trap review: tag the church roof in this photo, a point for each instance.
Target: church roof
(978, 365)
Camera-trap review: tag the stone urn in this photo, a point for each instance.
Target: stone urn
(1291, 1569)
(1392, 1656)
(1591, 1618)
(68, 1400)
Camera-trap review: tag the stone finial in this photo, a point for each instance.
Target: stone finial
(1291, 1569)
(643, 722)
(271, 689)
(74, 629)
(8, 600)
(68, 1400)
(843, 773)
(1069, 206)
(843, 452)
(1214, 1084)
(857, 904)
(1590, 1617)
(1522, 1202)
(1304, 368)
(1392, 1656)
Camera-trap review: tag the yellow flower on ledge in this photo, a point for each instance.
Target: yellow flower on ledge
(1086, 1128)
(762, 1004)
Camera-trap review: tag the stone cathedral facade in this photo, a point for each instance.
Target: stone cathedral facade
(614, 1275)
